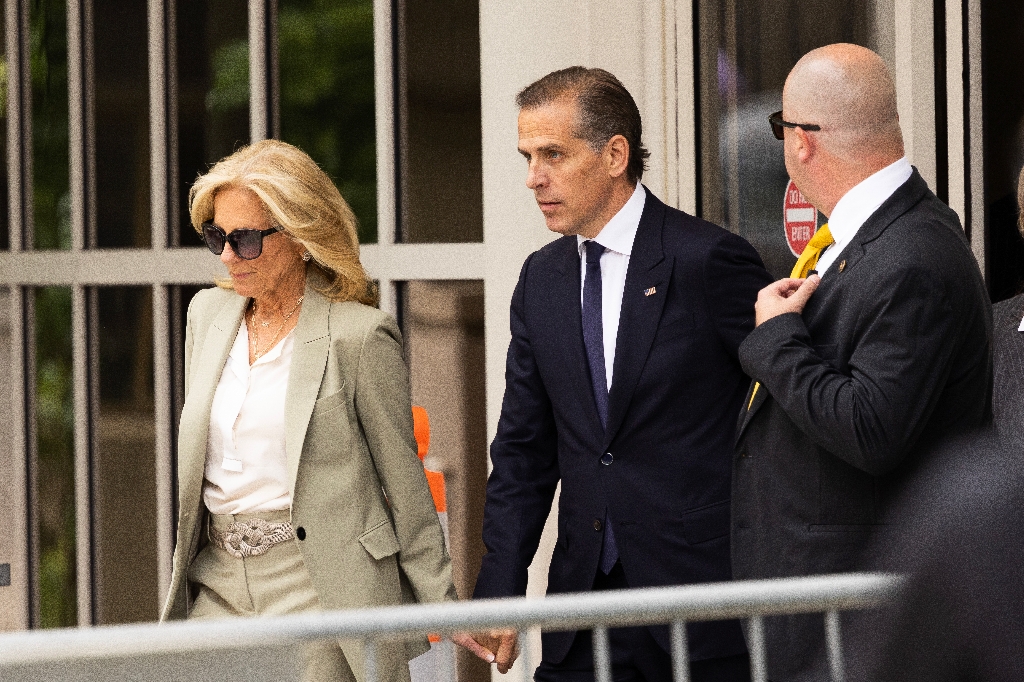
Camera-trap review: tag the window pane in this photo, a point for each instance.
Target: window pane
(55, 459)
(746, 51)
(49, 64)
(443, 327)
(327, 95)
(1002, 33)
(124, 465)
(121, 89)
(213, 91)
(441, 159)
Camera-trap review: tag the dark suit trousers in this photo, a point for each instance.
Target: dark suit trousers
(636, 656)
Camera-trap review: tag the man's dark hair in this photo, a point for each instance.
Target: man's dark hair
(604, 109)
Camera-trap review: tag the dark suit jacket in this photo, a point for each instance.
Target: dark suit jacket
(961, 615)
(1008, 344)
(890, 355)
(687, 305)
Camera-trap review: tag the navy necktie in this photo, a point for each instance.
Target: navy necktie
(593, 341)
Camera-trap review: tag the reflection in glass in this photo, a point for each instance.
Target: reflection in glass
(746, 51)
(55, 458)
(443, 328)
(1002, 34)
(50, 179)
(121, 89)
(441, 159)
(213, 92)
(124, 465)
(327, 95)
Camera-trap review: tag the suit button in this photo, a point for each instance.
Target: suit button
(597, 524)
(743, 454)
(300, 533)
(607, 458)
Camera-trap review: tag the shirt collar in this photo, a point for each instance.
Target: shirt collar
(859, 203)
(619, 233)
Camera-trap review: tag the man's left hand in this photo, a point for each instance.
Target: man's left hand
(785, 296)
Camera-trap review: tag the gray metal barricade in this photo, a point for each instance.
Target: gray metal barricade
(599, 611)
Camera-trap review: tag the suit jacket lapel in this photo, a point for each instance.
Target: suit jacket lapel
(309, 358)
(641, 310)
(209, 362)
(901, 201)
(567, 309)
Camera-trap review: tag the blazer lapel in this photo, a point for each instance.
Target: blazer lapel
(643, 300)
(195, 416)
(309, 359)
(568, 309)
(901, 201)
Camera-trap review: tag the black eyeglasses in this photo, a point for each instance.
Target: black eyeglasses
(246, 243)
(778, 124)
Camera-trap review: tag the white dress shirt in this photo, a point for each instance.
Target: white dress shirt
(246, 465)
(858, 204)
(617, 239)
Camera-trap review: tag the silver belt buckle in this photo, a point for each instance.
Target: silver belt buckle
(251, 538)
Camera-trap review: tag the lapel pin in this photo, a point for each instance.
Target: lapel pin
(842, 266)
(650, 292)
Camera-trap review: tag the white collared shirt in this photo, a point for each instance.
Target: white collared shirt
(246, 464)
(858, 205)
(617, 239)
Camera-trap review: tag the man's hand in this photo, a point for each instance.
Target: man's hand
(785, 296)
(500, 647)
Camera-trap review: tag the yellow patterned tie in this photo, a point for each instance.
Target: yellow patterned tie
(821, 240)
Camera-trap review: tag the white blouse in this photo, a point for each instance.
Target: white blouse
(246, 465)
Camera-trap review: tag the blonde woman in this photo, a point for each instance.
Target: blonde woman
(299, 484)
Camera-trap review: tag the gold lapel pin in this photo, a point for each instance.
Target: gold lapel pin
(842, 266)
(651, 291)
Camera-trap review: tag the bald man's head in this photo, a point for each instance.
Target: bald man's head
(849, 92)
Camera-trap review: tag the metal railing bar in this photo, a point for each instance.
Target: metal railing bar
(758, 654)
(616, 608)
(370, 655)
(602, 654)
(680, 652)
(834, 646)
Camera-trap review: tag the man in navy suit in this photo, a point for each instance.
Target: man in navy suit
(622, 382)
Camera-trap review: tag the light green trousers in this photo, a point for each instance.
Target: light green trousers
(272, 584)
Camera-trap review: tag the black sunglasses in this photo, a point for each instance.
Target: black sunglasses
(246, 243)
(778, 124)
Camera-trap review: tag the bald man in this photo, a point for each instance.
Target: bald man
(876, 348)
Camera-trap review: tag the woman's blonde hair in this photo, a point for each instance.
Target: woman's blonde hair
(300, 198)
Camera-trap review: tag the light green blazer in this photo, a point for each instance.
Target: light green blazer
(358, 489)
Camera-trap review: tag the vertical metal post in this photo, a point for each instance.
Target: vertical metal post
(158, 123)
(162, 393)
(680, 652)
(19, 124)
(602, 655)
(82, 377)
(975, 132)
(28, 336)
(384, 108)
(834, 646)
(732, 120)
(758, 657)
(258, 101)
(370, 654)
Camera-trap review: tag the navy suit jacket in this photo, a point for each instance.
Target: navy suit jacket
(677, 384)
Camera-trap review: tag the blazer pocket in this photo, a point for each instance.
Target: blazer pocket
(706, 523)
(330, 402)
(380, 541)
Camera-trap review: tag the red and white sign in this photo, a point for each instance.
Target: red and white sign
(799, 218)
